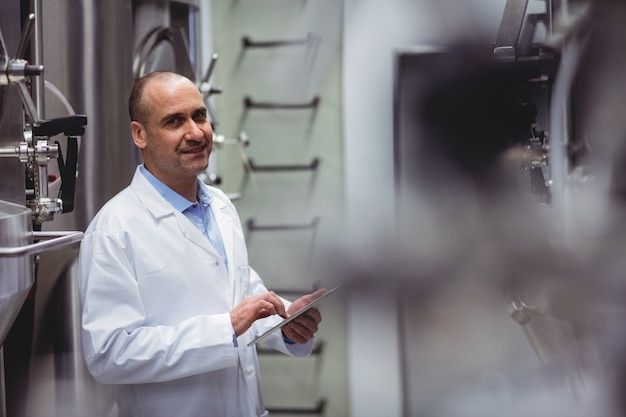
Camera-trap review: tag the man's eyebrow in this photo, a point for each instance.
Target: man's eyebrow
(170, 116)
(180, 114)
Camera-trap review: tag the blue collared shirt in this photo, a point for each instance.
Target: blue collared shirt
(198, 213)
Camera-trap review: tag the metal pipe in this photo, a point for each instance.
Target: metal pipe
(209, 70)
(11, 151)
(26, 34)
(29, 106)
(38, 83)
(549, 10)
(43, 181)
(57, 240)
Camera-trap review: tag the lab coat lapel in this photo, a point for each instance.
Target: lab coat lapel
(153, 201)
(192, 234)
(225, 226)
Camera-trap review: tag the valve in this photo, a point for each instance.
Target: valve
(36, 150)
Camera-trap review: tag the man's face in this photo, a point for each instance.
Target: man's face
(176, 137)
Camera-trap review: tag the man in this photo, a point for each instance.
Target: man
(169, 301)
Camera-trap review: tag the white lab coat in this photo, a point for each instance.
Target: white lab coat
(156, 300)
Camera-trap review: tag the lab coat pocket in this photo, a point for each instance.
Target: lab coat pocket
(242, 283)
(186, 288)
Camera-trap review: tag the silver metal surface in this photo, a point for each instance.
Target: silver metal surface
(87, 49)
(27, 101)
(58, 239)
(16, 264)
(27, 31)
(510, 28)
(18, 69)
(163, 48)
(94, 72)
(11, 129)
(16, 273)
(153, 50)
(13, 287)
(37, 59)
(151, 22)
(3, 410)
(76, 394)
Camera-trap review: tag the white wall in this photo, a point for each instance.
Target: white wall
(373, 30)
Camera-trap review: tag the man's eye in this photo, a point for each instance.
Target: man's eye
(173, 121)
(199, 116)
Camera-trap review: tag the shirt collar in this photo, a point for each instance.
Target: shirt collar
(179, 202)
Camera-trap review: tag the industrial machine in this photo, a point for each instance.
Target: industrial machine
(65, 149)
(525, 137)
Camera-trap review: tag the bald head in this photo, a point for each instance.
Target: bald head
(137, 109)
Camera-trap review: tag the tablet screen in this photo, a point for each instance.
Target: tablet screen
(296, 314)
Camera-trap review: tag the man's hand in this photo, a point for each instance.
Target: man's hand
(303, 328)
(255, 307)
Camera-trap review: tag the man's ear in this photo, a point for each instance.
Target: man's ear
(139, 134)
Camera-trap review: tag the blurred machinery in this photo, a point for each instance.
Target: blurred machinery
(524, 138)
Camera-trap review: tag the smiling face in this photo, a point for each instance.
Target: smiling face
(174, 134)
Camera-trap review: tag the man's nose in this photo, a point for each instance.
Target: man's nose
(194, 132)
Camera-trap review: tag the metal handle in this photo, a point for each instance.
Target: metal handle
(210, 69)
(249, 103)
(267, 168)
(249, 43)
(26, 34)
(57, 240)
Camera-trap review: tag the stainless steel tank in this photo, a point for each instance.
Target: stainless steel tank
(16, 263)
(88, 48)
(88, 57)
(16, 272)
(11, 170)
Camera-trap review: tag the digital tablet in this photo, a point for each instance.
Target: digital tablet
(295, 315)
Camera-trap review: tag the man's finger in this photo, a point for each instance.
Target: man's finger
(314, 296)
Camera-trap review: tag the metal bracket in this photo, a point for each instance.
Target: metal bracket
(246, 42)
(253, 227)
(510, 28)
(317, 410)
(273, 168)
(241, 140)
(249, 103)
